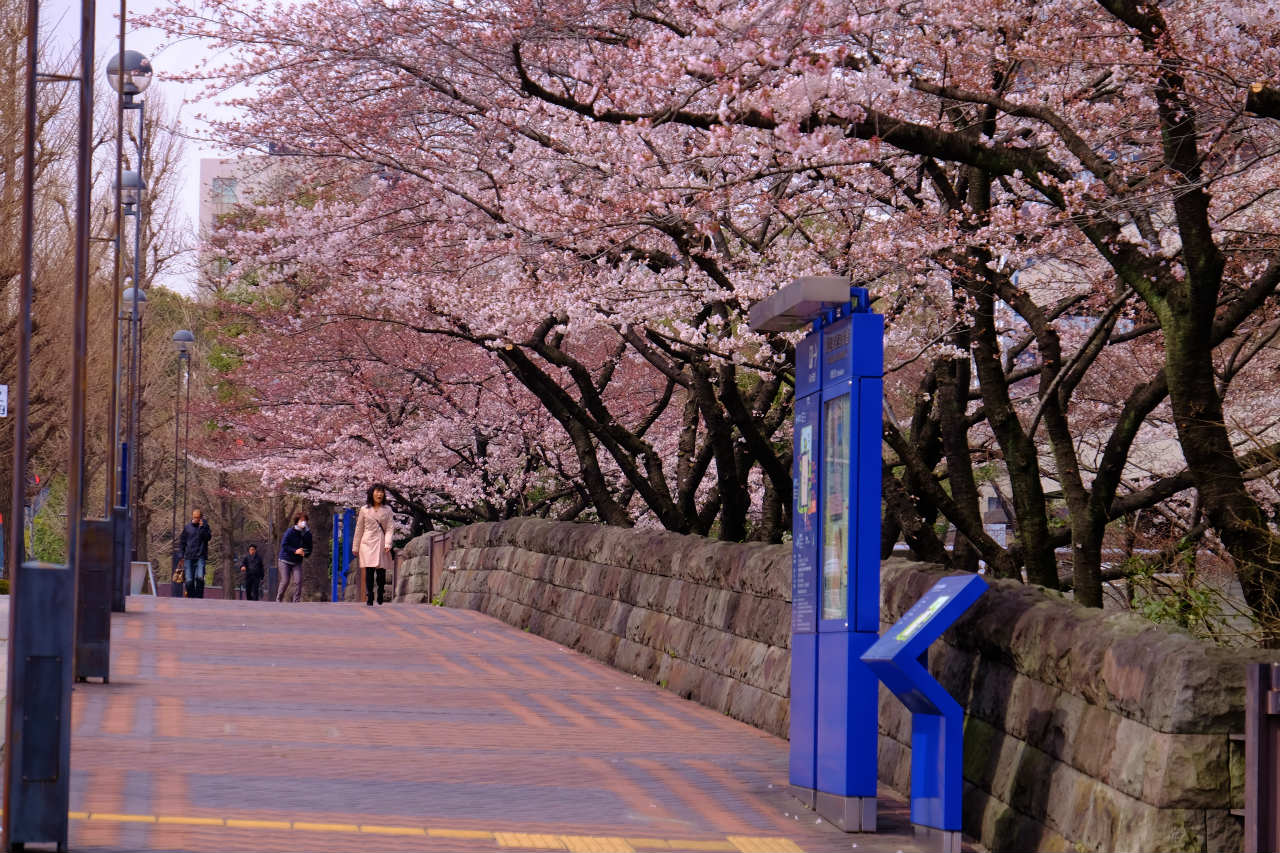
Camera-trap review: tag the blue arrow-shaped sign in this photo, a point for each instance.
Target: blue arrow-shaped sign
(937, 720)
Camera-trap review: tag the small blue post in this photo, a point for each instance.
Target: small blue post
(334, 560)
(348, 540)
(937, 720)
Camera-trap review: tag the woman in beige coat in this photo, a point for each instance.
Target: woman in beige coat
(372, 543)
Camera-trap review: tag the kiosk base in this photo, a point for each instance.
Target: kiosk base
(851, 814)
(938, 840)
(807, 796)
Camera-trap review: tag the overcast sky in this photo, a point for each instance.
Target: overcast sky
(61, 22)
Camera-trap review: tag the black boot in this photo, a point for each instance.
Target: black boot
(190, 588)
(199, 587)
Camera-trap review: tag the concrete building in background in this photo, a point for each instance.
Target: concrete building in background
(227, 183)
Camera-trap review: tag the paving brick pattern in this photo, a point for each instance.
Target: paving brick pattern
(252, 726)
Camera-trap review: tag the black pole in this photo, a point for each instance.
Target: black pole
(113, 468)
(186, 439)
(79, 384)
(17, 510)
(136, 392)
(173, 525)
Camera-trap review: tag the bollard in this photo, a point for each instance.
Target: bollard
(93, 600)
(38, 792)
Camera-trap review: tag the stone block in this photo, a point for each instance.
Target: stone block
(1093, 746)
(894, 764)
(982, 747)
(1187, 771)
(1005, 829)
(636, 659)
(775, 671)
(992, 691)
(894, 718)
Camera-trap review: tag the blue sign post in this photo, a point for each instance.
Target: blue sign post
(835, 589)
(937, 720)
(343, 529)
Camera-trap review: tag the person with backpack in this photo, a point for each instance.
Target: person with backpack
(371, 544)
(294, 548)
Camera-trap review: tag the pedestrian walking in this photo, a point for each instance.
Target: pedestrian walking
(294, 548)
(193, 546)
(372, 542)
(252, 572)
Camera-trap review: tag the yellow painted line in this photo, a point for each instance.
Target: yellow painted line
(459, 833)
(259, 824)
(393, 830)
(596, 844)
(325, 827)
(527, 839)
(755, 844)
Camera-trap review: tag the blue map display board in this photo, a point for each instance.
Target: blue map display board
(804, 543)
(937, 720)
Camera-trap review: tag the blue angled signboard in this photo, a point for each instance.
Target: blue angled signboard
(937, 720)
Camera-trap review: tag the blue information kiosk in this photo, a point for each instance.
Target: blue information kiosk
(836, 543)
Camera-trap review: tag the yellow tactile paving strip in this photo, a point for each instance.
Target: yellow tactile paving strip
(518, 840)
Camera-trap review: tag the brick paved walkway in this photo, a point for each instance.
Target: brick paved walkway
(246, 726)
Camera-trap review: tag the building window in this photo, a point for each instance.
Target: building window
(223, 190)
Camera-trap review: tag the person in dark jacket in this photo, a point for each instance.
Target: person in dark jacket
(193, 547)
(252, 573)
(294, 548)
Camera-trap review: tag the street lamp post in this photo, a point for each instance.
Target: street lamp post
(129, 73)
(182, 340)
(134, 301)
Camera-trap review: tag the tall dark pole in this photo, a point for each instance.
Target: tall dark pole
(177, 402)
(135, 359)
(17, 512)
(186, 439)
(42, 597)
(84, 180)
(113, 469)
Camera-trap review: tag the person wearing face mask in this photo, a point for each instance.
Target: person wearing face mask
(371, 544)
(294, 548)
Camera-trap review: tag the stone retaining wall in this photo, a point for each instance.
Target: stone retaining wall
(1085, 730)
(707, 620)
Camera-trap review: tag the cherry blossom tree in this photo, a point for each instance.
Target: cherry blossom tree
(1063, 208)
